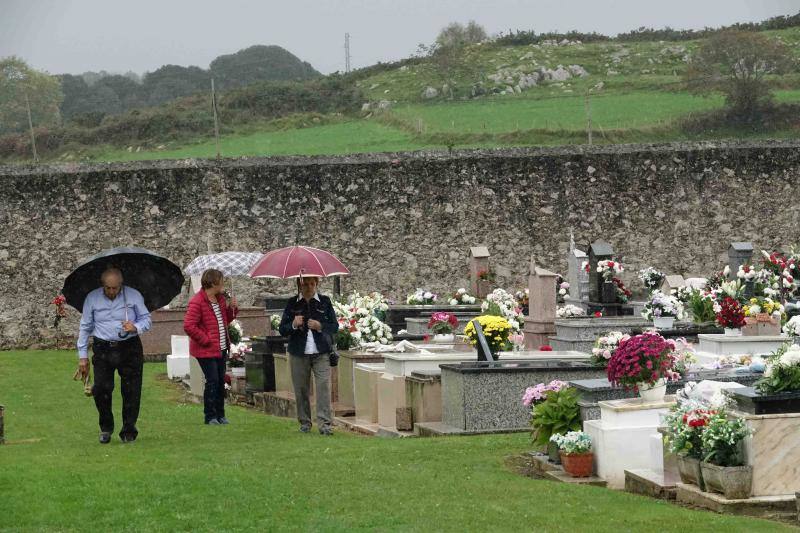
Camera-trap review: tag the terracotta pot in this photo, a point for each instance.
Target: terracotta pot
(734, 482)
(552, 453)
(690, 471)
(653, 393)
(578, 464)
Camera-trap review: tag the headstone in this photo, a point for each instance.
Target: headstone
(577, 277)
(672, 282)
(478, 261)
(484, 353)
(540, 323)
(739, 253)
(598, 251)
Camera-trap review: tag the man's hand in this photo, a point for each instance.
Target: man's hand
(83, 367)
(297, 323)
(314, 324)
(128, 326)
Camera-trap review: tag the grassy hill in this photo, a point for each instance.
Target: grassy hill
(633, 91)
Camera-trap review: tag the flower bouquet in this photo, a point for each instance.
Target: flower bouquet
(570, 311)
(443, 325)
(643, 362)
(235, 332)
(651, 278)
(662, 309)
(238, 352)
(501, 303)
(605, 346)
(562, 289)
(496, 329)
(461, 298)
(782, 373)
(422, 297)
(61, 311)
(609, 269)
(730, 315)
(486, 275)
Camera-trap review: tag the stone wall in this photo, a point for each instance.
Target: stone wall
(399, 221)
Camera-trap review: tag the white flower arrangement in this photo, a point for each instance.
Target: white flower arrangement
(573, 442)
(507, 305)
(422, 297)
(609, 269)
(275, 322)
(563, 288)
(358, 315)
(746, 273)
(792, 327)
(570, 311)
(462, 298)
(605, 346)
(662, 305)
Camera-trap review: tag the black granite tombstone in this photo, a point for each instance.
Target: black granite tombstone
(739, 253)
(484, 353)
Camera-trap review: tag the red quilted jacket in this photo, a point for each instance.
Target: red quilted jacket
(200, 324)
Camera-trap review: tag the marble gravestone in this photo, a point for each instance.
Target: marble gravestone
(478, 261)
(540, 324)
(739, 253)
(577, 277)
(602, 294)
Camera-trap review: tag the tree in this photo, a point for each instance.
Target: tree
(447, 52)
(43, 91)
(457, 35)
(174, 81)
(737, 63)
(259, 63)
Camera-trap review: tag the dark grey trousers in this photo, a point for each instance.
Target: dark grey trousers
(302, 367)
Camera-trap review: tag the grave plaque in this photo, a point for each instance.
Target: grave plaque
(484, 353)
(739, 253)
(599, 251)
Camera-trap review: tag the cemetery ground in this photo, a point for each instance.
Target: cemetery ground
(260, 473)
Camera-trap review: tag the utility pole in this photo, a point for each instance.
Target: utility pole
(30, 125)
(347, 52)
(589, 115)
(216, 120)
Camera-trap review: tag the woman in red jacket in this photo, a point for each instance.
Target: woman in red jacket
(206, 323)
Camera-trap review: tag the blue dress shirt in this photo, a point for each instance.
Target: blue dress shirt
(102, 317)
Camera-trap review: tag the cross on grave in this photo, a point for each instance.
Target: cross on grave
(484, 353)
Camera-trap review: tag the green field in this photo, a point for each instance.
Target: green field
(261, 474)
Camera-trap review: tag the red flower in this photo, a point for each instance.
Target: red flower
(598, 314)
(545, 348)
(731, 314)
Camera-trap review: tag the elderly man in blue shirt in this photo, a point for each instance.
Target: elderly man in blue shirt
(114, 315)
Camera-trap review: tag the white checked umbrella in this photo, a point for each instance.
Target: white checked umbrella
(229, 263)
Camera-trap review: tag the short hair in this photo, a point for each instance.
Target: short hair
(111, 271)
(304, 277)
(210, 277)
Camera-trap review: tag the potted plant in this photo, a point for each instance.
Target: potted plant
(496, 329)
(575, 448)
(644, 362)
(723, 464)
(662, 309)
(502, 303)
(605, 346)
(536, 395)
(235, 332)
(701, 306)
(683, 436)
(782, 373)
(570, 311)
(651, 278)
(443, 324)
(730, 316)
(236, 358)
(559, 413)
(422, 297)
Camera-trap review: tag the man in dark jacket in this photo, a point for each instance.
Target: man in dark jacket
(310, 323)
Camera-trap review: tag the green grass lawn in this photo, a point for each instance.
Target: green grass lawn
(261, 474)
(348, 137)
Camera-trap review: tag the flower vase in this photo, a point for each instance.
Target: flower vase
(734, 482)
(653, 393)
(444, 338)
(663, 322)
(689, 470)
(733, 332)
(578, 464)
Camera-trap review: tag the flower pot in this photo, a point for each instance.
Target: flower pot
(690, 471)
(733, 332)
(734, 482)
(444, 338)
(663, 322)
(552, 453)
(653, 393)
(238, 371)
(578, 464)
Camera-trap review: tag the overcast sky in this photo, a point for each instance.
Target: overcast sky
(78, 35)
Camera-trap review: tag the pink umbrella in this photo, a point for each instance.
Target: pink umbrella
(296, 262)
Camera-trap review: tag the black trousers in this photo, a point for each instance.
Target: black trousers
(214, 391)
(127, 358)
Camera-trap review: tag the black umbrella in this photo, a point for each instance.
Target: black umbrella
(157, 278)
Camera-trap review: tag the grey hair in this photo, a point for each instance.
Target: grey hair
(111, 271)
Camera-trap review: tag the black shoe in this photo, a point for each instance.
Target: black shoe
(212, 422)
(222, 420)
(127, 439)
(305, 428)
(327, 430)
(105, 437)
